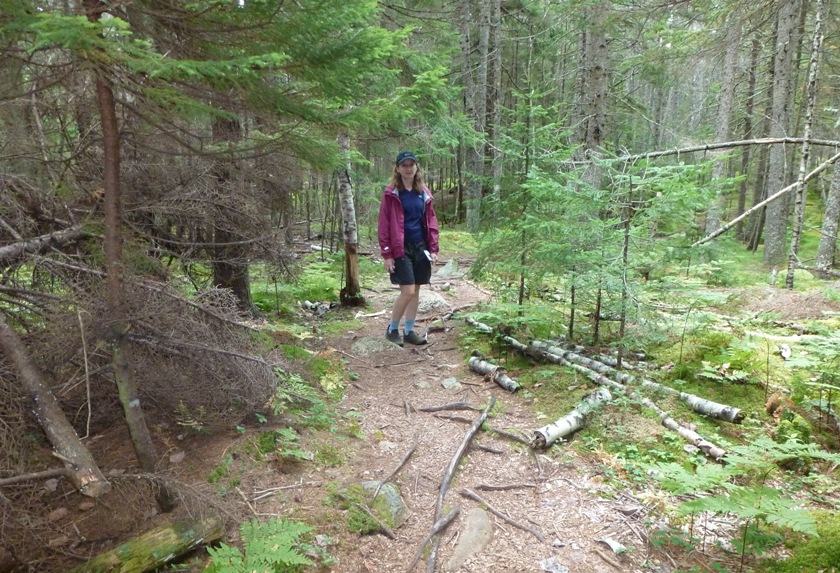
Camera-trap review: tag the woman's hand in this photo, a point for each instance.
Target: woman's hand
(389, 265)
(434, 258)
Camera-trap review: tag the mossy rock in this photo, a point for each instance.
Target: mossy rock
(388, 506)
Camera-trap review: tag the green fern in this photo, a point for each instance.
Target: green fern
(274, 546)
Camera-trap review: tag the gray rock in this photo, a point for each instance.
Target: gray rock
(478, 532)
(451, 383)
(553, 565)
(422, 385)
(369, 345)
(430, 301)
(450, 270)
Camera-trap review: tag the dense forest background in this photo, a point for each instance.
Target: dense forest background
(154, 153)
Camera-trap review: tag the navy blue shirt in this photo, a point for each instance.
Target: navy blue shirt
(413, 207)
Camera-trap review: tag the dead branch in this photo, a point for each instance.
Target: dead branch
(80, 464)
(449, 407)
(404, 460)
(700, 405)
(437, 527)
(459, 453)
(10, 254)
(503, 487)
(35, 476)
(386, 531)
(819, 169)
(475, 497)
(820, 272)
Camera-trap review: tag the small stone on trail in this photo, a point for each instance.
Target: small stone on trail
(57, 514)
(86, 505)
(451, 383)
(421, 385)
(177, 457)
(552, 565)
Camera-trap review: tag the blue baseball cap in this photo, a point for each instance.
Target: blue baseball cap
(404, 156)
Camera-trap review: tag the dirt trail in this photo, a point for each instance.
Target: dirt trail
(561, 495)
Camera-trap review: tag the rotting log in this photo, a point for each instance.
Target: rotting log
(700, 405)
(81, 467)
(493, 372)
(156, 547)
(571, 422)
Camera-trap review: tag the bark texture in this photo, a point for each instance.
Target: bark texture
(571, 422)
(155, 548)
(81, 467)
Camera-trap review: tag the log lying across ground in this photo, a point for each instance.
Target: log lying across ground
(493, 372)
(689, 435)
(571, 422)
(78, 461)
(700, 405)
(156, 547)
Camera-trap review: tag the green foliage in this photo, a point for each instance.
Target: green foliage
(284, 442)
(274, 546)
(740, 487)
(296, 398)
(819, 553)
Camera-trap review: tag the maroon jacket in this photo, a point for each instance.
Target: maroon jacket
(392, 224)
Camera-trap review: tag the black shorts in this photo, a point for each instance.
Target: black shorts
(413, 268)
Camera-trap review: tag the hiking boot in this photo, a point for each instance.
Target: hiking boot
(414, 338)
(394, 336)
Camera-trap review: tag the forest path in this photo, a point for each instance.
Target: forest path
(559, 493)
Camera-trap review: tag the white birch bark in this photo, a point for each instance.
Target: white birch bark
(493, 372)
(700, 405)
(351, 293)
(571, 422)
(801, 191)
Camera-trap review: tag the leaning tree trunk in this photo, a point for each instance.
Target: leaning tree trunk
(351, 294)
(81, 467)
(117, 335)
(801, 192)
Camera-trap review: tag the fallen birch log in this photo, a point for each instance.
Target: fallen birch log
(480, 326)
(155, 548)
(493, 372)
(571, 422)
(691, 436)
(700, 405)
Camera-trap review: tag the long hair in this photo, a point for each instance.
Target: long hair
(396, 180)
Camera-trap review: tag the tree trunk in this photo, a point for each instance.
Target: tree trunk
(230, 258)
(475, 94)
(746, 152)
(351, 294)
(114, 280)
(831, 218)
(592, 91)
(726, 103)
(155, 548)
(775, 225)
(81, 467)
(802, 190)
(571, 422)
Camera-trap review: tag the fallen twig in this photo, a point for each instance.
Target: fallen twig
(386, 531)
(396, 470)
(437, 527)
(475, 497)
(503, 487)
(267, 492)
(447, 407)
